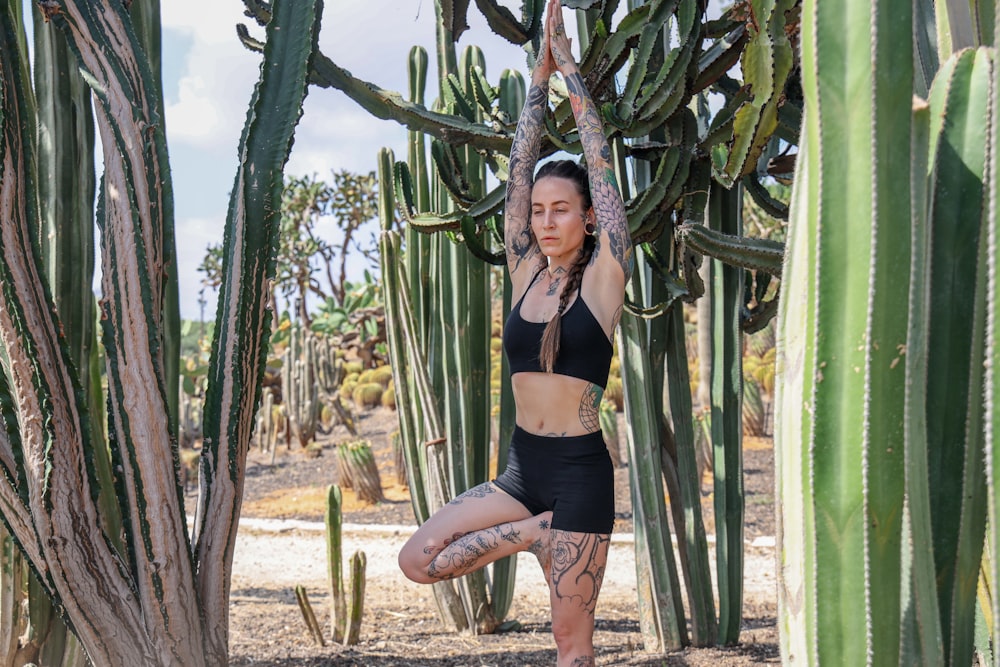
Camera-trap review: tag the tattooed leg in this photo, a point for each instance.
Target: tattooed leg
(578, 562)
(476, 528)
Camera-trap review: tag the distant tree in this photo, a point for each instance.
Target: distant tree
(305, 253)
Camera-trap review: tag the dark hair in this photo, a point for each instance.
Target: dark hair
(550, 337)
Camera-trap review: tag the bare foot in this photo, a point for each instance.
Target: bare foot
(540, 546)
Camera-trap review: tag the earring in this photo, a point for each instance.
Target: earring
(590, 228)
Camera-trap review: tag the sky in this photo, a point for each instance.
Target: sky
(208, 77)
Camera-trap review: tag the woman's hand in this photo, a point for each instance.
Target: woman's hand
(560, 46)
(544, 64)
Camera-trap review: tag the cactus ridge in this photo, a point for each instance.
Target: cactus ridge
(745, 251)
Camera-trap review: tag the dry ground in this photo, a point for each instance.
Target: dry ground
(281, 545)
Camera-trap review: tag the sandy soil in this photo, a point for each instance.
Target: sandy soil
(281, 545)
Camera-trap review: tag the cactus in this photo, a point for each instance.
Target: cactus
(886, 315)
(358, 471)
(345, 619)
(299, 388)
(609, 427)
(67, 515)
(302, 597)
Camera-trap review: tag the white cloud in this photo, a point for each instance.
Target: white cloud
(194, 235)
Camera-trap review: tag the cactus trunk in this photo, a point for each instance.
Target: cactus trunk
(148, 598)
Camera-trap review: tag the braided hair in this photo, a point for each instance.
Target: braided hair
(550, 337)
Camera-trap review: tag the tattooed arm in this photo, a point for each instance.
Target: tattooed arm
(612, 226)
(521, 246)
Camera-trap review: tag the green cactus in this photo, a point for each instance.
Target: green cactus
(358, 471)
(609, 427)
(345, 617)
(302, 597)
(889, 270)
(299, 386)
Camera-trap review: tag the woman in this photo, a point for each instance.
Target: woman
(569, 255)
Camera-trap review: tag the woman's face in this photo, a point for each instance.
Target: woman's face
(558, 217)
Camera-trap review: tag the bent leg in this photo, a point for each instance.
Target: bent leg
(577, 572)
(478, 527)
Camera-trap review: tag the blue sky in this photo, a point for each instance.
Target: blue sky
(208, 78)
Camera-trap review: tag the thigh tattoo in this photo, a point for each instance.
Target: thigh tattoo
(576, 574)
(480, 491)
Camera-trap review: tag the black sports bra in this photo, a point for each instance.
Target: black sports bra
(584, 349)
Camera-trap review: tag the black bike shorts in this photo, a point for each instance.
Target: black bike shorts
(572, 476)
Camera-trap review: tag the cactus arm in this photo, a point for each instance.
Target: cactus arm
(391, 259)
(925, 52)
(454, 98)
(992, 356)
(388, 105)
(135, 208)
(451, 173)
(658, 585)
(744, 251)
(843, 331)
(649, 39)
(454, 16)
(595, 49)
(770, 205)
(719, 58)
(502, 21)
(662, 90)
(484, 93)
(766, 63)
(334, 561)
(240, 345)
(471, 239)
(359, 564)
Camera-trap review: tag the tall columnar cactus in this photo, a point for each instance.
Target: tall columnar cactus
(447, 350)
(143, 594)
(299, 388)
(880, 425)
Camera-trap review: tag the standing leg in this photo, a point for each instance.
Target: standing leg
(478, 527)
(578, 562)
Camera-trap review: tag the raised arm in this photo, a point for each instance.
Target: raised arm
(612, 226)
(521, 246)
